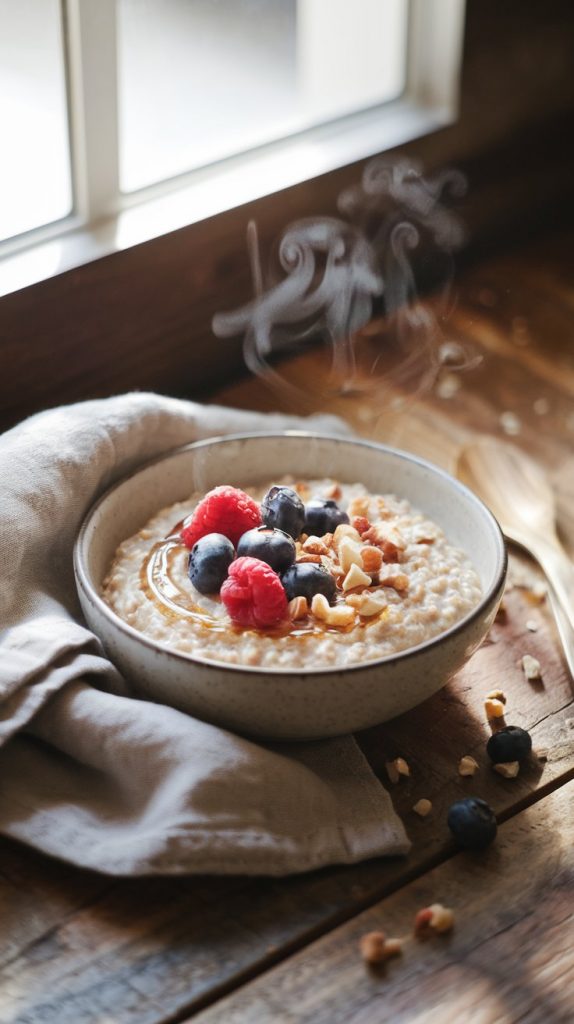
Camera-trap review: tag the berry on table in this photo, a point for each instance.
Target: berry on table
(509, 744)
(253, 594)
(209, 561)
(472, 823)
(283, 509)
(323, 515)
(270, 545)
(305, 579)
(225, 510)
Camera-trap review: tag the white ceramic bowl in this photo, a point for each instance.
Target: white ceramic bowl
(288, 704)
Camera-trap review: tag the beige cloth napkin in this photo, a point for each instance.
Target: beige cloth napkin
(127, 787)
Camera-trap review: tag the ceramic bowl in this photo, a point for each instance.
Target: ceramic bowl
(288, 704)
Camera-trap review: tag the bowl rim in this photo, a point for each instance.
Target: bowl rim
(84, 583)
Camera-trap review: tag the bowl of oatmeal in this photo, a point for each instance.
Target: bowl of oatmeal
(289, 586)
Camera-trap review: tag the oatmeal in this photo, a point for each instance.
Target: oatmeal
(369, 577)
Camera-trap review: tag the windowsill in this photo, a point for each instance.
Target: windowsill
(217, 189)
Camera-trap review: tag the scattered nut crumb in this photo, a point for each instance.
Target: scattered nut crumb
(372, 559)
(298, 608)
(367, 604)
(538, 591)
(355, 578)
(531, 625)
(510, 423)
(422, 807)
(372, 946)
(358, 506)
(531, 667)
(467, 765)
(494, 709)
(320, 607)
(315, 546)
(393, 947)
(349, 554)
(435, 918)
(497, 695)
(508, 769)
(396, 768)
(541, 755)
(448, 385)
(334, 492)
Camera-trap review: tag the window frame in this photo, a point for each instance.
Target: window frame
(105, 220)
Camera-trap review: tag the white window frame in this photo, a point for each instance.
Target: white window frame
(105, 220)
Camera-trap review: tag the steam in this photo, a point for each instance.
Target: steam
(333, 274)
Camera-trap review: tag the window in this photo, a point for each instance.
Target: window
(35, 179)
(124, 119)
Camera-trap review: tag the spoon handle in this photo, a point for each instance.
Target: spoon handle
(565, 631)
(559, 571)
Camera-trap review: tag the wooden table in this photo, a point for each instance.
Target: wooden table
(79, 948)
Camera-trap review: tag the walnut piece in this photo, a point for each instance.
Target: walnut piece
(531, 667)
(508, 769)
(422, 807)
(467, 765)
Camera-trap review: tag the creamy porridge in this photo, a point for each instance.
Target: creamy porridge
(396, 582)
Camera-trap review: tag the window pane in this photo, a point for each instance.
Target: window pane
(202, 79)
(35, 181)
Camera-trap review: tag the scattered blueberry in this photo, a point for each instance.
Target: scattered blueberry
(509, 744)
(323, 515)
(472, 823)
(209, 560)
(283, 509)
(268, 545)
(305, 579)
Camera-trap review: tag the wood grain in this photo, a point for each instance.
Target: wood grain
(77, 947)
(508, 959)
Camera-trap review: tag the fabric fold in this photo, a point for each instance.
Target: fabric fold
(90, 774)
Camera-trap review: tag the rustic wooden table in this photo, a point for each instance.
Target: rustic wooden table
(79, 948)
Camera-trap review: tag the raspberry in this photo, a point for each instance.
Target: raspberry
(225, 510)
(253, 594)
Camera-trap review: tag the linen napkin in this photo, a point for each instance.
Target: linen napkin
(121, 785)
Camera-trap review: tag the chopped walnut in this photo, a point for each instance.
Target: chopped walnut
(340, 615)
(494, 709)
(349, 554)
(396, 768)
(356, 578)
(367, 604)
(358, 506)
(422, 807)
(334, 492)
(315, 546)
(309, 558)
(497, 695)
(435, 918)
(298, 608)
(467, 765)
(372, 559)
(303, 489)
(397, 581)
(393, 947)
(531, 667)
(372, 946)
(361, 524)
(508, 769)
(344, 530)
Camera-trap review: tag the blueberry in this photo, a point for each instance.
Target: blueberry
(272, 546)
(283, 509)
(509, 744)
(323, 515)
(209, 561)
(472, 823)
(305, 579)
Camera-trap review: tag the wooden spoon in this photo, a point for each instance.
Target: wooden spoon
(518, 493)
